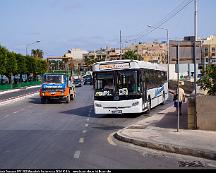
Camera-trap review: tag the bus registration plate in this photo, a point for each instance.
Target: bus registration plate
(117, 112)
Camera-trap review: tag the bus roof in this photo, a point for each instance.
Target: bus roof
(127, 64)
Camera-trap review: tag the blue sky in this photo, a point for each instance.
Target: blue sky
(91, 24)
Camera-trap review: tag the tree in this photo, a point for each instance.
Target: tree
(41, 66)
(89, 62)
(3, 55)
(131, 54)
(37, 53)
(31, 67)
(21, 65)
(11, 65)
(208, 80)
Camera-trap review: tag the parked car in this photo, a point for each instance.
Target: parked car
(88, 81)
(77, 82)
(4, 79)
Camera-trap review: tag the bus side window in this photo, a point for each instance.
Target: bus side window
(146, 77)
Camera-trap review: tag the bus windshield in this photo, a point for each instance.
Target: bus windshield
(121, 83)
(127, 82)
(105, 81)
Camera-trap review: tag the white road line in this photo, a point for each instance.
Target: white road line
(211, 165)
(81, 140)
(17, 99)
(84, 131)
(87, 119)
(77, 155)
(4, 117)
(86, 125)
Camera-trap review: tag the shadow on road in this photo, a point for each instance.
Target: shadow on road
(38, 101)
(170, 119)
(85, 112)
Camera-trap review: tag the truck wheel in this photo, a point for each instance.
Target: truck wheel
(68, 99)
(43, 100)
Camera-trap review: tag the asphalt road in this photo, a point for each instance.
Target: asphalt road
(71, 136)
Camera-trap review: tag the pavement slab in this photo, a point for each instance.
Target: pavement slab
(160, 132)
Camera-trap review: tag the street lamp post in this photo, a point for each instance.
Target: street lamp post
(167, 35)
(29, 45)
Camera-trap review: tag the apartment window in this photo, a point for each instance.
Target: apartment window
(206, 50)
(213, 54)
(213, 49)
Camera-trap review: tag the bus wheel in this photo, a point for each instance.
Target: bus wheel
(163, 99)
(149, 106)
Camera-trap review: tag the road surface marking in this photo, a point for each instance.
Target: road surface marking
(81, 140)
(17, 99)
(109, 139)
(77, 155)
(4, 117)
(86, 125)
(211, 165)
(87, 119)
(84, 131)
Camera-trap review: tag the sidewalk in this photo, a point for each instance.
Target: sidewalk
(159, 132)
(15, 90)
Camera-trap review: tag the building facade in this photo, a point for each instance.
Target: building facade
(209, 50)
(154, 52)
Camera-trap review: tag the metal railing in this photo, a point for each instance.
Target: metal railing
(4, 87)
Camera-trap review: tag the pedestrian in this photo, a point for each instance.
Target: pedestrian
(179, 99)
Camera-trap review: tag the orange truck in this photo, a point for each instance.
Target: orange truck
(57, 86)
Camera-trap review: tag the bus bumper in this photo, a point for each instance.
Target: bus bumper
(118, 107)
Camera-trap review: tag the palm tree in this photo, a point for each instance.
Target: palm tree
(37, 53)
(131, 54)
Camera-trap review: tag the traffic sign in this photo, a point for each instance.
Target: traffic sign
(186, 52)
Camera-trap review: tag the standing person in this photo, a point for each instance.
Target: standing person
(181, 98)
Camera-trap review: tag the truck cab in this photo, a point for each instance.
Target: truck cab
(57, 86)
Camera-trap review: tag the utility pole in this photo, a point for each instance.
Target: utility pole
(29, 45)
(195, 69)
(120, 45)
(168, 58)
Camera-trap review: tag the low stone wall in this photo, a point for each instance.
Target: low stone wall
(206, 112)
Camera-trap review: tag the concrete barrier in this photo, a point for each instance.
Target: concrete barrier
(206, 112)
(191, 113)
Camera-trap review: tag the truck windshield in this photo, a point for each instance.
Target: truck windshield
(53, 79)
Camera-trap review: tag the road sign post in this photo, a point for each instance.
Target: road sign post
(184, 52)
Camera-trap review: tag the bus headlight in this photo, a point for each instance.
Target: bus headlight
(98, 105)
(135, 103)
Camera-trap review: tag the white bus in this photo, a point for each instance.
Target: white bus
(136, 86)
